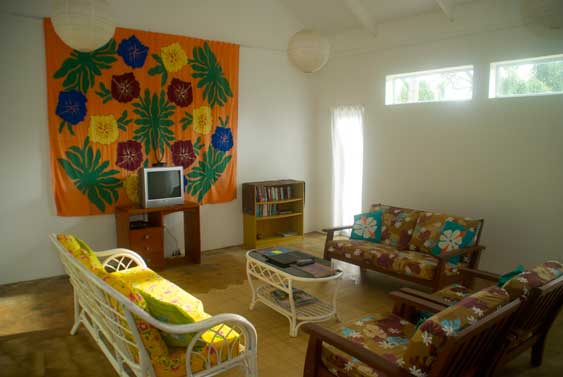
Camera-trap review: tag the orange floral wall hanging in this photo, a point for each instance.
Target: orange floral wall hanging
(142, 98)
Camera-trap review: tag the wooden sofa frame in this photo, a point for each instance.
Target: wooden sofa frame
(440, 279)
(109, 317)
(466, 354)
(535, 316)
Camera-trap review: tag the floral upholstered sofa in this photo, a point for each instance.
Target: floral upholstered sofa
(146, 325)
(425, 247)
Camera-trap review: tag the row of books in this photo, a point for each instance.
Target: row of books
(270, 210)
(270, 193)
(300, 298)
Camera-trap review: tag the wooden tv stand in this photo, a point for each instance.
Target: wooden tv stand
(149, 241)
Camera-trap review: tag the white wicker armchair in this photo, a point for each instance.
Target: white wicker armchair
(109, 317)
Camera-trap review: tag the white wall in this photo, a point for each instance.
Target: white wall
(274, 122)
(498, 159)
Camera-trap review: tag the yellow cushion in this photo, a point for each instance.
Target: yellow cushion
(166, 302)
(179, 307)
(81, 251)
(150, 336)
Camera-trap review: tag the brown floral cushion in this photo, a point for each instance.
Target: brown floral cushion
(398, 226)
(429, 226)
(453, 294)
(431, 336)
(384, 334)
(521, 285)
(409, 263)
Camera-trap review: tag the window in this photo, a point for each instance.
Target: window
(347, 163)
(527, 77)
(448, 84)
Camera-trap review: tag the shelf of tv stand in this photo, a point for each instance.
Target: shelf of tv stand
(149, 241)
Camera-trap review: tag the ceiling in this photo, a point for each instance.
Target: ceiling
(336, 16)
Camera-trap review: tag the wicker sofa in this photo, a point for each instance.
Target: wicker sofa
(115, 296)
(408, 237)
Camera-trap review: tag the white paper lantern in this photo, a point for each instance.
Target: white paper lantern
(84, 25)
(308, 51)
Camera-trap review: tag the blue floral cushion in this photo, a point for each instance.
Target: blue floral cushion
(452, 237)
(367, 226)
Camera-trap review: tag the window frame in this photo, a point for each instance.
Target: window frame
(390, 84)
(494, 73)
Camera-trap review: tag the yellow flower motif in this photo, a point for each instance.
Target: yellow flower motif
(202, 120)
(173, 57)
(103, 129)
(131, 185)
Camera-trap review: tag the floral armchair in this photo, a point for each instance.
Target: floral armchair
(541, 286)
(454, 341)
(424, 247)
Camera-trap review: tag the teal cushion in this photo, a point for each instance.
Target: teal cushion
(452, 237)
(506, 277)
(367, 226)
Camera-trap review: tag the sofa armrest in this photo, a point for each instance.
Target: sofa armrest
(479, 274)
(467, 250)
(120, 259)
(337, 228)
(425, 296)
(409, 306)
(319, 335)
(330, 236)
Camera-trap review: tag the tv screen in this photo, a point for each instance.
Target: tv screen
(163, 184)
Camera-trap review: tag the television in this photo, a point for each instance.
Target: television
(161, 186)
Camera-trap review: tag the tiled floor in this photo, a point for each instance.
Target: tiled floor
(35, 318)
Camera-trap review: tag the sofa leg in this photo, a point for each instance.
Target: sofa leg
(313, 357)
(537, 351)
(76, 315)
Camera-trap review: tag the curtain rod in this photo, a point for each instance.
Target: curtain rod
(40, 18)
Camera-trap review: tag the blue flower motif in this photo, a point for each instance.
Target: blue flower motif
(71, 106)
(222, 139)
(133, 52)
(397, 340)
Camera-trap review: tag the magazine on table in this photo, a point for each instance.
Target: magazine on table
(300, 298)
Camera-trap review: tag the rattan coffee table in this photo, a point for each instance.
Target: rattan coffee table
(265, 277)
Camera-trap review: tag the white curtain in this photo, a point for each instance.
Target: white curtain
(347, 165)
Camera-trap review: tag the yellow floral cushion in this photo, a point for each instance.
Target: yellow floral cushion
(187, 309)
(384, 334)
(81, 251)
(150, 336)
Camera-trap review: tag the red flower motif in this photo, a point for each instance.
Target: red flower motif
(124, 88)
(180, 92)
(183, 153)
(129, 155)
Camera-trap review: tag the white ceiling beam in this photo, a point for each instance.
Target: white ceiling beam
(362, 14)
(447, 7)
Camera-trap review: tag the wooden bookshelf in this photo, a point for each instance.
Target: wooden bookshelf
(271, 208)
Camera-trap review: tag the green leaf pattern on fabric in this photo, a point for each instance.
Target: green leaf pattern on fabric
(210, 75)
(81, 68)
(207, 172)
(154, 122)
(90, 175)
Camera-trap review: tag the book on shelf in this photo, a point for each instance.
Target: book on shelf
(300, 298)
(273, 193)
